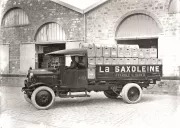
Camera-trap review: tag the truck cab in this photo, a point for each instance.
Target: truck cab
(127, 81)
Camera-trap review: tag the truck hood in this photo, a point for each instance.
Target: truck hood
(43, 71)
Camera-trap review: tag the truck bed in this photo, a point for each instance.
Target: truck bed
(128, 72)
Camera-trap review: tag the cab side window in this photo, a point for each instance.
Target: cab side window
(82, 63)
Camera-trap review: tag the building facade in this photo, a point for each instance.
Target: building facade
(29, 29)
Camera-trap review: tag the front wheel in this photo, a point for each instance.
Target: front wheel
(131, 93)
(111, 94)
(27, 98)
(43, 97)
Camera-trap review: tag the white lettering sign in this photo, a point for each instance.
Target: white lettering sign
(133, 69)
(123, 69)
(157, 68)
(128, 69)
(100, 70)
(143, 68)
(151, 68)
(116, 68)
(106, 69)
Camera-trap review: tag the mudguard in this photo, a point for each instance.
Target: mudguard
(39, 84)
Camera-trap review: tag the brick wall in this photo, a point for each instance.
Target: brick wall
(12, 81)
(39, 13)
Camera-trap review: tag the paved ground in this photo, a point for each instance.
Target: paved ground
(94, 112)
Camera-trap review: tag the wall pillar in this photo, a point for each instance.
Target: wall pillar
(169, 52)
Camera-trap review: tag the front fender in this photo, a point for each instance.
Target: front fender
(38, 85)
(29, 90)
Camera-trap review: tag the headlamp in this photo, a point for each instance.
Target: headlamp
(31, 75)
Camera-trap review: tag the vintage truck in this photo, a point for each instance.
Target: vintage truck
(126, 81)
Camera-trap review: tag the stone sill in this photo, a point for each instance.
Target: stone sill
(12, 75)
(14, 26)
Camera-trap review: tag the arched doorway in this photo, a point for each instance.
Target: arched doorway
(12, 58)
(139, 29)
(49, 37)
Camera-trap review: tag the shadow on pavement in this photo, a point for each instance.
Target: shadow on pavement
(147, 98)
(78, 102)
(85, 102)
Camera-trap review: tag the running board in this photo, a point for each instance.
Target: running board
(72, 96)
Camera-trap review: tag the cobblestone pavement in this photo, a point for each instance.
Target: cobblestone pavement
(94, 112)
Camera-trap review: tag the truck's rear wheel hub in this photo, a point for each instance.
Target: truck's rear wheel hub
(133, 94)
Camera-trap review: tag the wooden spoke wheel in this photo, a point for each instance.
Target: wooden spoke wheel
(131, 93)
(43, 97)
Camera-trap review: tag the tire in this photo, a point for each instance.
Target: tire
(110, 94)
(26, 97)
(43, 97)
(131, 93)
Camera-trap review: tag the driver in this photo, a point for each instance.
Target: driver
(81, 64)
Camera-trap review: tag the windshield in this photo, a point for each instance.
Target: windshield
(55, 62)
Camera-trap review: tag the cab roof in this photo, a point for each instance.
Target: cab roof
(72, 52)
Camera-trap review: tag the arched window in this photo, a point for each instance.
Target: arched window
(174, 6)
(50, 32)
(137, 25)
(15, 17)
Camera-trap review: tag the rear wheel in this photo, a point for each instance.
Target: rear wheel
(43, 97)
(111, 94)
(131, 93)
